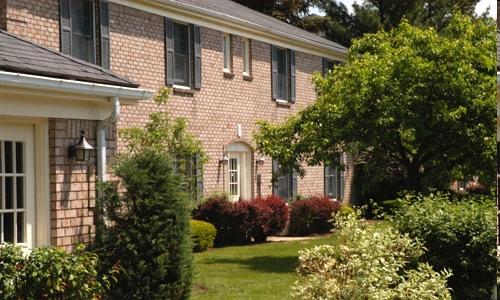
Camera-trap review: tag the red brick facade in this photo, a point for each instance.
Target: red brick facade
(214, 111)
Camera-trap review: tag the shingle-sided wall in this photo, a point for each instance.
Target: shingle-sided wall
(223, 103)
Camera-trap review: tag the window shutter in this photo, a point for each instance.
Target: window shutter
(199, 177)
(294, 185)
(275, 176)
(105, 40)
(292, 76)
(169, 51)
(325, 180)
(65, 13)
(274, 72)
(325, 66)
(197, 56)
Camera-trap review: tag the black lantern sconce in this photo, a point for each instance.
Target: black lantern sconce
(260, 161)
(81, 150)
(223, 161)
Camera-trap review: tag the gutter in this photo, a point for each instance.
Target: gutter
(101, 137)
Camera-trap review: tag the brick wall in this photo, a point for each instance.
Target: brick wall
(72, 183)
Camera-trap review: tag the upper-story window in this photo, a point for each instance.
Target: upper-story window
(246, 57)
(329, 64)
(84, 29)
(227, 52)
(283, 74)
(183, 54)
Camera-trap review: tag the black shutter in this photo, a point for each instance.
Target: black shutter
(325, 66)
(169, 51)
(275, 176)
(105, 41)
(197, 56)
(199, 177)
(65, 24)
(292, 76)
(274, 72)
(294, 185)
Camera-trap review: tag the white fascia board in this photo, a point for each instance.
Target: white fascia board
(224, 23)
(70, 89)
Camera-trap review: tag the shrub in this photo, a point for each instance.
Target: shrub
(203, 234)
(150, 235)
(51, 273)
(312, 215)
(367, 263)
(243, 222)
(459, 235)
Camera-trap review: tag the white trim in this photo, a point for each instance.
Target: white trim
(210, 19)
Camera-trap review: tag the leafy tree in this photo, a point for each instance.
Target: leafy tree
(374, 15)
(413, 101)
(169, 135)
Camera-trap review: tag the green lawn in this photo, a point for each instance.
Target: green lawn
(265, 271)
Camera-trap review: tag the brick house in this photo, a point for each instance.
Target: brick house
(72, 65)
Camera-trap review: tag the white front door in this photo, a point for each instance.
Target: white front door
(239, 172)
(17, 184)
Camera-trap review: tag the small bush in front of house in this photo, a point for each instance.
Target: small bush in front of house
(312, 215)
(51, 273)
(367, 263)
(148, 233)
(459, 234)
(203, 234)
(243, 222)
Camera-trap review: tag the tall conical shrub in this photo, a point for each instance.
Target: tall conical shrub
(147, 232)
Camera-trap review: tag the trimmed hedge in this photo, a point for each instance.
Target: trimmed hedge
(243, 222)
(203, 234)
(312, 215)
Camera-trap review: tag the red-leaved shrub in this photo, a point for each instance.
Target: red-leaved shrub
(312, 215)
(243, 222)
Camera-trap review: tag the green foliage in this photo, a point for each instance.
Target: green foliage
(149, 234)
(459, 235)
(203, 234)
(51, 273)
(373, 107)
(166, 134)
(367, 263)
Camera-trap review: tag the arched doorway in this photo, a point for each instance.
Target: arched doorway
(239, 171)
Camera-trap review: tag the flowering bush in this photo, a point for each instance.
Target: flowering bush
(243, 222)
(312, 215)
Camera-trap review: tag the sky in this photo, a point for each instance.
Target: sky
(480, 7)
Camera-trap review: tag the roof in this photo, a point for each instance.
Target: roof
(232, 10)
(23, 56)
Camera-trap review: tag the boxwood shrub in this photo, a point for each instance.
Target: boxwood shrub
(203, 234)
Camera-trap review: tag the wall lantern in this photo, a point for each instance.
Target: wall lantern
(80, 151)
(223, 161)
(260, 161)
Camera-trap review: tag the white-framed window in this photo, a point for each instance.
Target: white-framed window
(78, 22)
(285, 184)
(226, 52)
(283, 74)
(183, 54)
(246, 57)
(334, 180)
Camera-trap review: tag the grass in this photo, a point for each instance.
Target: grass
(265, 271)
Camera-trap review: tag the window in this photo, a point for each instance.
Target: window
(334, 180)
(78, 30)
(246, 57)
(226, 52)
(285, 185)
(183, 54)
(329, 65)
(283, 74)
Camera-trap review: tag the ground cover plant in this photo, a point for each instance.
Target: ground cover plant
(263, 271)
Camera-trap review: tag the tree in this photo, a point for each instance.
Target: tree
(413, 101)
(374, 15)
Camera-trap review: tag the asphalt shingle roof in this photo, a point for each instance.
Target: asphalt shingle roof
(234, 11)
(23, 56)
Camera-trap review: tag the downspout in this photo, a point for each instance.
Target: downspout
(101, 137)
